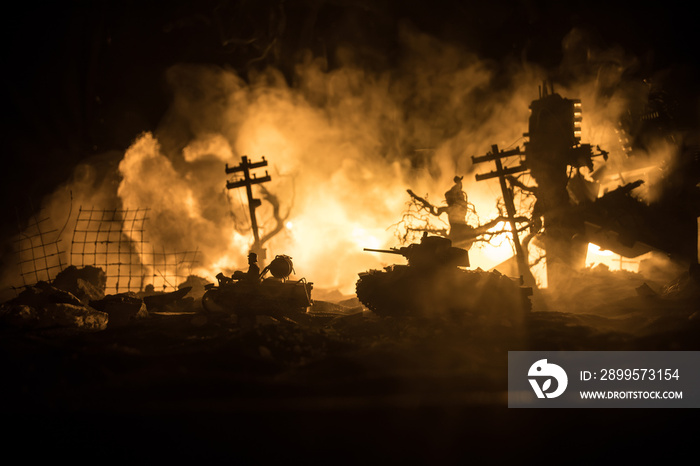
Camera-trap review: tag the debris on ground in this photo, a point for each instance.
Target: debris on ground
(87, 283)
(122, 308)
(161, 301)
(44, 306)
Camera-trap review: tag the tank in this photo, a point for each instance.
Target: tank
(435, 282)
(271, 293)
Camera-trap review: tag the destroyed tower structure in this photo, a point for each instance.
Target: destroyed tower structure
(569, 211)
(552, 154)
(553, 151)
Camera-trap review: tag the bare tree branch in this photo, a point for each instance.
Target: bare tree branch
(279, 219)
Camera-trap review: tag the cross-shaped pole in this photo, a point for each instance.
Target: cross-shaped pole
(253, 203)
(501, 173)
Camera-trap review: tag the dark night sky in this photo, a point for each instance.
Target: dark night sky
(85, 77)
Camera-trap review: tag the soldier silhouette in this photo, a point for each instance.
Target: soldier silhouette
(253, 274)
(456, 209)
(456, 194)
(253, 268)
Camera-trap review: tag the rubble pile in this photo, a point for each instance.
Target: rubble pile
(686, 287)
(87, 283)
(76, 300)
(122, 308)
(174, 301)
(196, 286)
(618, 310)
(45, 306)
(604, 291)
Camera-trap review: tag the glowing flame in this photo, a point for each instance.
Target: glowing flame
(343, 146)
(596, 256)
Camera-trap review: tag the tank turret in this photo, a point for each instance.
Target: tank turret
(432, 251)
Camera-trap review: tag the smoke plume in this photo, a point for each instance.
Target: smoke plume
(343, 145)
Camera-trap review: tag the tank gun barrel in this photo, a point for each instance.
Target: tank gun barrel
(387, 251)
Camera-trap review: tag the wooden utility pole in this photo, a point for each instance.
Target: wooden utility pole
(501, 173)
(253, 203)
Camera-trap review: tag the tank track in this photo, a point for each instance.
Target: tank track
(370, 290)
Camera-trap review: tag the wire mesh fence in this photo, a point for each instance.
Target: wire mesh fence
(111, 240)
(115, 240)
(40, 256)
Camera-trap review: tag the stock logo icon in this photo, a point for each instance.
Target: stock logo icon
(542, 373)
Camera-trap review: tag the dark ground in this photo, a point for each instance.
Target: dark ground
(339, 389)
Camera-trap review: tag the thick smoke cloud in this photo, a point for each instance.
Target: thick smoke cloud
(343, 145)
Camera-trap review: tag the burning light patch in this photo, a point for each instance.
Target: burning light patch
(596, 256)
(343, 145)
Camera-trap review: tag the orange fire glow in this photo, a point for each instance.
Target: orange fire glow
(342, 145)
